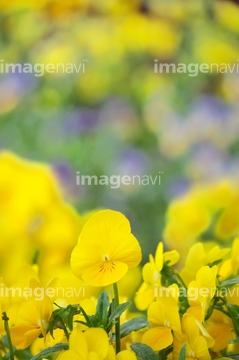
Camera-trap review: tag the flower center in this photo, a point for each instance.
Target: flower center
(43, 324)
(167, 323)
(107, 264)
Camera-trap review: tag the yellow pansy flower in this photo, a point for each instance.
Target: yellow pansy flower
(231, 266)
(192, 214)
(149, 289)
(32, 320)
(202, 290)
(106, 249)
(94, 345)
(220, 328)
(122, 355)
(200, 255)
(164, 318)
(43, 343)
(197, 344)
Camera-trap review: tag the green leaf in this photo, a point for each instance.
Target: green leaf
(133, 325)
(228, 283)
(210, 308)
(163, 354)
(144, 352)
(119, 310)
(102, 308)
(87, 318)
(233, 311)
(216, 262)
(182, 354)
(63, 318)
(57, 347)
(94, 320)
(235, 341)
(20, 354)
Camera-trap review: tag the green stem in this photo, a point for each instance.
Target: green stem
(6, 327)
(117, 325)
(180, 279)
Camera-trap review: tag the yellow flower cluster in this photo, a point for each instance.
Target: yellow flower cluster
(206, 212)
(192, 310)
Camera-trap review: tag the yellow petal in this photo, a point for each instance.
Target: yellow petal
(190, 327)
(78, 337)
(158, 338)
(98, 342)
(93, 356)
(150, 274)
(222, 334)
(103, 275)
(144, 296)
(159, 257)
(200, 349)
(195, 258)
(171, 257)
(156, 314)
(69, 355)
(111, 353)
(126, 355)
(23, 335)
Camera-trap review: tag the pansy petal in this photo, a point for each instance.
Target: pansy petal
(97, 341)
(70, 355)
(158, 338)
(126, 355)
(103, 276)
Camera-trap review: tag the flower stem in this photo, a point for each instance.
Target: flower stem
(180, 279)
(6, 327)
(117, 325)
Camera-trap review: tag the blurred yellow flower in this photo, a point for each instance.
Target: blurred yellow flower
(32, 320)
(205, 210)
(31, 199)
(231, 266)
(106, 249)
(201, 255)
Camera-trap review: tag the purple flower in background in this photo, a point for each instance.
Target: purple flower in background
(14, 86)
(81, 120)
(131, 162)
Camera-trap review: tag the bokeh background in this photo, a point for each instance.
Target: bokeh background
(120, 117)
